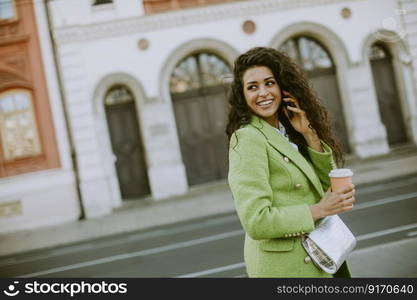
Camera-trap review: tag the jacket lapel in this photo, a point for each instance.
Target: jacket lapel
(277, 141)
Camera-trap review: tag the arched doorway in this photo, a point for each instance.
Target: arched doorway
(126, 143)
(200, 108)
(387, 94)
(321, 71)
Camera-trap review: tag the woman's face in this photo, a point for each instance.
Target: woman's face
(262, 93)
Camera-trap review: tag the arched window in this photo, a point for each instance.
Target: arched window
(18, 130)
(118, 95)
(198, 71)
(309, 54)
(377, 51)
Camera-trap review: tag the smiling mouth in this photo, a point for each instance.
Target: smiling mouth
(264, 102)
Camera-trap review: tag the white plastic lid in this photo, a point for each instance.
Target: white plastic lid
(341, 173)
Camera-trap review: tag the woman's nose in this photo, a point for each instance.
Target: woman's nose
(263, 91)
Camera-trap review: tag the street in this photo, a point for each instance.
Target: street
(212, 247)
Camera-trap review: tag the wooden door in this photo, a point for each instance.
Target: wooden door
(200, 108)
(128, 149)
(201, 121)
(327, 88)
(387, 94)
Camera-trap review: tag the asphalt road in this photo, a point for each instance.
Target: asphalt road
(210, 247)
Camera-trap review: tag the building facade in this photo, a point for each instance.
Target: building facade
(145, 82)
(36, 178)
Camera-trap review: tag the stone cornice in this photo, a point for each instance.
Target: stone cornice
(76, 33)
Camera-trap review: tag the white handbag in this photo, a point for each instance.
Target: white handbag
(329, 244)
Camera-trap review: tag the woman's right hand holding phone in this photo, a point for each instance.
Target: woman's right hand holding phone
(334, 203)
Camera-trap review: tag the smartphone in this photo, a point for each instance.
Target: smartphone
(285, 104)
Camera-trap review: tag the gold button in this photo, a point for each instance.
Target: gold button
(307, 260)
(298, 185)
(287, 160)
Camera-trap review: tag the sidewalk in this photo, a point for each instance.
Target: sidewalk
(210, 199)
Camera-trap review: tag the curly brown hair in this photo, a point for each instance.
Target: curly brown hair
(290, 78)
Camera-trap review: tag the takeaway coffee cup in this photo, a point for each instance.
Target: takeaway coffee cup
(340, 178)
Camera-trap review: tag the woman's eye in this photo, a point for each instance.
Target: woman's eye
(251, 87)
(270, 83)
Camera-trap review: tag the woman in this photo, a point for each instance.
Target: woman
(278, 178)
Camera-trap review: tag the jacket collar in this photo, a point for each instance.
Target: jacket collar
(277, 141)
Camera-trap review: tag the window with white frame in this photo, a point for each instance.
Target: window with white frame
(7, 10)
(18, 130)
(99, 2)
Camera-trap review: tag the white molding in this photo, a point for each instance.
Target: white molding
(326, 36)
(77, 33)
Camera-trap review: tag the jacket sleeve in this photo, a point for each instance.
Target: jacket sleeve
(322, 163)
(252, 193)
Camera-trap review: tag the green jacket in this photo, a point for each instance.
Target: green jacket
(273, 186)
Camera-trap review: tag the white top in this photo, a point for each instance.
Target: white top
(282, 131)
